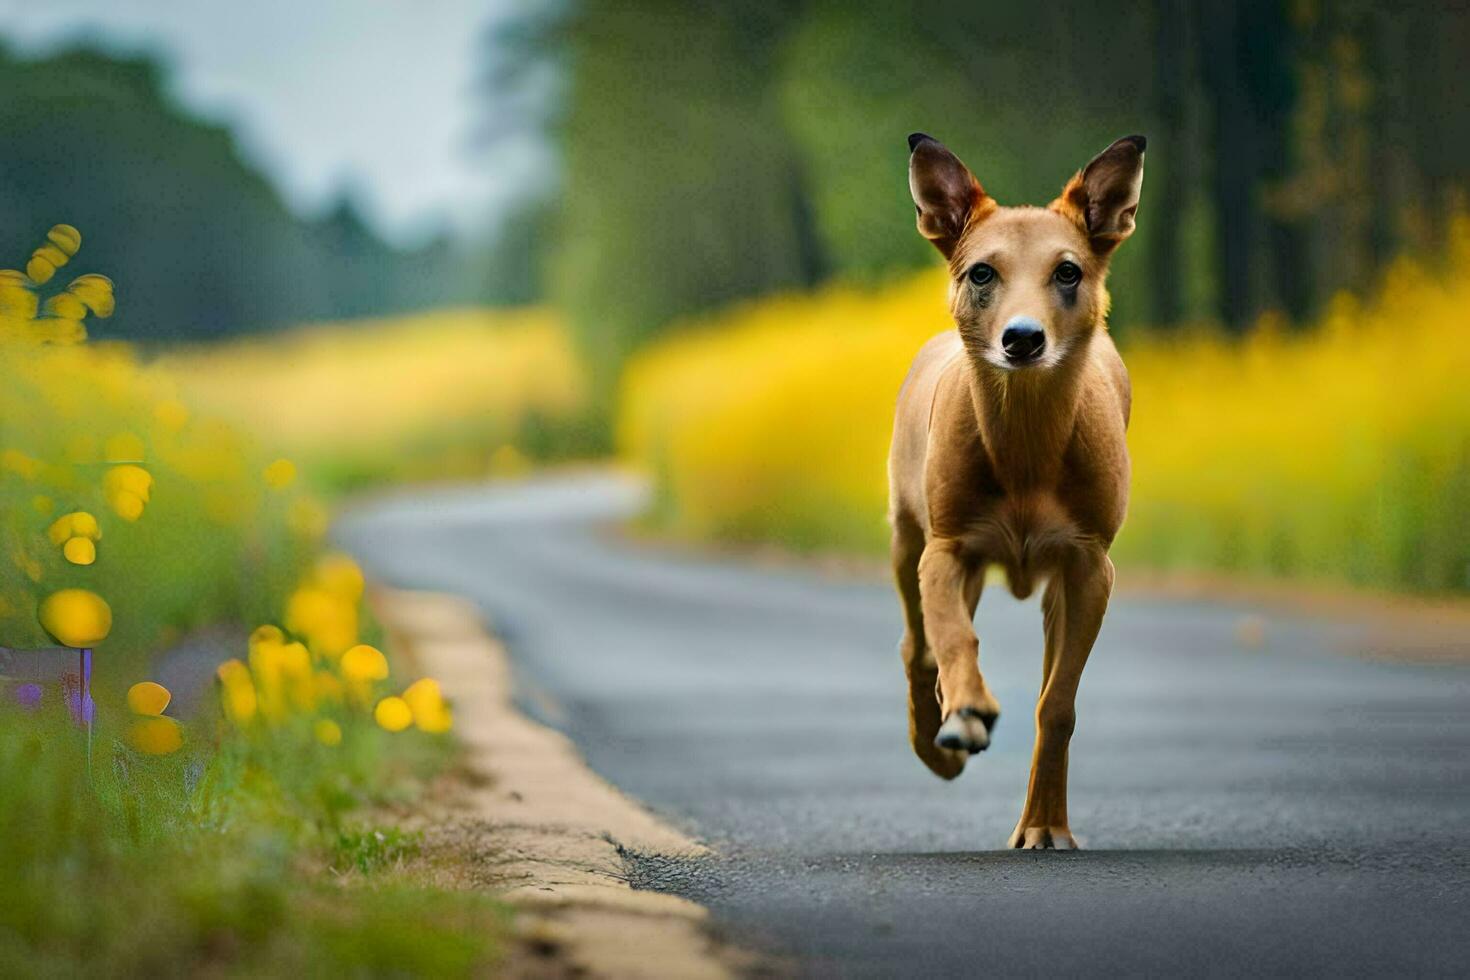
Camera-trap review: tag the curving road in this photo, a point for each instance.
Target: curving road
(1277, 808)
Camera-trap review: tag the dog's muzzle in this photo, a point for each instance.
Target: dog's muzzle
(1023, 340)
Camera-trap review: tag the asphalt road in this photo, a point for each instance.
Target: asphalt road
(1281, 808)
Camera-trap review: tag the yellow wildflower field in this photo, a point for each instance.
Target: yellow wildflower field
(449, 392)
(1336, 451)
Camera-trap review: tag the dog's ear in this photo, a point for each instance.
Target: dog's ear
(945, 193)
(1103, 197)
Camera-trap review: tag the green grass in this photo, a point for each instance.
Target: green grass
(255, 851)
(256, 857)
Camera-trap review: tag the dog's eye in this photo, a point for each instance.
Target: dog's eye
(982, 274)
(1068, 274)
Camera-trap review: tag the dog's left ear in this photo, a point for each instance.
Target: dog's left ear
(1103, 197)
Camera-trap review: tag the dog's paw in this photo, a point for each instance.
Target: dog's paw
(1043, 839)
(967, 730)
(944, 763)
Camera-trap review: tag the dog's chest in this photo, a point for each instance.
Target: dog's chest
(1028, 535)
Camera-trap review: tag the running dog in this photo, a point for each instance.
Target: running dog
(1008, 450)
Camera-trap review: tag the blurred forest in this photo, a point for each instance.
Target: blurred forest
(712, 152)
(716, 151)
(201, 242)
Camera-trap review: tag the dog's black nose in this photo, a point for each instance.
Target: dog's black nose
(1022, 340)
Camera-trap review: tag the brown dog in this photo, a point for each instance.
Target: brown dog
(1008, 449)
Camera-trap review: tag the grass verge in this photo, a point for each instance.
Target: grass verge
(249, 839)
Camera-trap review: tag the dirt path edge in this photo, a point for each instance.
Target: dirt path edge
(557, 829)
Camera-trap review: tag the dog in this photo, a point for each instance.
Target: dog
(1009, 450)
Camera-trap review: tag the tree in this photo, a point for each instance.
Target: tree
(201, 243)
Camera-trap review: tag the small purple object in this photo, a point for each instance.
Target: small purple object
(83, 709)
(78, 691)
(28, 696)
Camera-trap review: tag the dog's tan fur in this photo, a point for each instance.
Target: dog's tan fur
(1024, 467)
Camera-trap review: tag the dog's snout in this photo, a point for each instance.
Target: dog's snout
(1022, 340)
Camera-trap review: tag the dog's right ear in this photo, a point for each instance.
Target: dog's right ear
(945, 193)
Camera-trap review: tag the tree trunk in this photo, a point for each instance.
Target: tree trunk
(1171, 191)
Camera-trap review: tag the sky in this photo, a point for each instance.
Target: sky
(375, 96)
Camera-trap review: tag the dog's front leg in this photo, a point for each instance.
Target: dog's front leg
(946, 582)
(1073, 608)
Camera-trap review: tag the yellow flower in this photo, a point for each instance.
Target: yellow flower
(232, 671)
(75, 617)
(40, 268)
(128, 506)
(423, 695)
(437, 722)
(364, 663)
(131, 478)
(426, 701)
(327, 732)
(78, 524)
(156, 736)
(280, 474)
(79, 551)
(85, 525)
(66, 238)
(295, 665)
(96, 291)
(52, 254)
(59, 331)
(238, 698)
(66, 306)
(307, 608)
(339, 575)
(148, 698)
(75, 525)
(267, 666)
(392, 714)
(328, 623)
(127, 488)
(16, 298)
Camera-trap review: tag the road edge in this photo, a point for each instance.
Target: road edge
(558, 830)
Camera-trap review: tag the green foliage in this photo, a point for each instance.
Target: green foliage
(373, 848)
(1019, 104)
(682, 187)
(213, 862)
(715, 155)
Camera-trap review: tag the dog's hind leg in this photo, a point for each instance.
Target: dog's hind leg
(918, 660)
(1073, 608)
